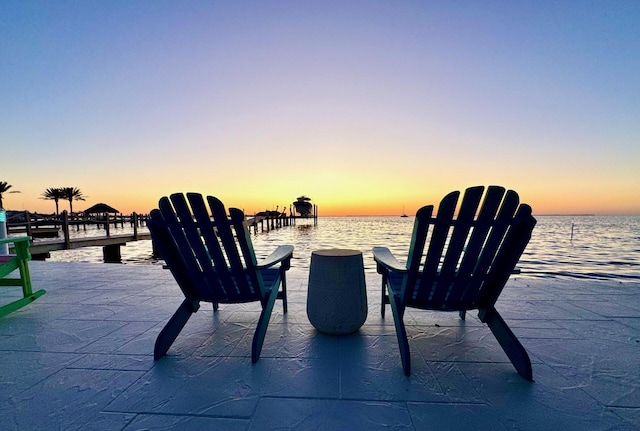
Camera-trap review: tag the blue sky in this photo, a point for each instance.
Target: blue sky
(366, 106)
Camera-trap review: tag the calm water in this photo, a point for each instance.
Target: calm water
(602, 247)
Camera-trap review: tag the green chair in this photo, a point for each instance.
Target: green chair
(212, 259)
(8, 264)
(470, 255)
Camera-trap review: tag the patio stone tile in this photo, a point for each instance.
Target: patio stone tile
(102, 361)
(108, 421)
(329, 415)
(21, 370)
(550, 402)
(303, 378)
(459, 417)
(220, 387)
(55, 335)
(68, 399)
(190, 423)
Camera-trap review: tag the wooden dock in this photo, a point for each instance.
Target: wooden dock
(35, 232)
(266, 222)
(111, 244)
(38, 226)
(40, 250)
(269, 220)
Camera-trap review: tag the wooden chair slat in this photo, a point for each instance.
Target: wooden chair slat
(439, 235)
(225, 233)
(165, 243)
(194, 249)
(513, 245)
(495, 241)
(246, 248)
(416, 250)
(178, 244)
(461, 227)
(214, 258)
(467, 270)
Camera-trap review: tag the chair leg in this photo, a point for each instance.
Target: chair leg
(25, 282)
(173, 327)
(384, 300)
(401, 334)
(25, 277)
(283, 293)
(263, 322)
(463, 314)
(16, 305)
(510, 344)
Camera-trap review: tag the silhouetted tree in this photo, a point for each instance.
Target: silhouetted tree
(54, 194)
(4, 188)
(72, 194)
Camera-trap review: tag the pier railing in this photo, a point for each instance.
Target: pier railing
(59, 229)
(44, 226)
(51, 227)
(269, 220)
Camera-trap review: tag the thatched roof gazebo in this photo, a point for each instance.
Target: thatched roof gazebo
(101, 209)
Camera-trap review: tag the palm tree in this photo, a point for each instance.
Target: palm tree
(72, 194)
(54, 194)
(4, 188)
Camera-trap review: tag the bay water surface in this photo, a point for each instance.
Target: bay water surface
(595, 247)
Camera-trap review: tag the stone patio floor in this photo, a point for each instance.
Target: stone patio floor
(81, 358)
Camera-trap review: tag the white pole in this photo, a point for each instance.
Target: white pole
(4, 248)
(571, 231)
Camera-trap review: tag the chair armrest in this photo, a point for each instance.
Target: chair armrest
(281, 254)
(15, 240)
(386, 261)
(21, 246)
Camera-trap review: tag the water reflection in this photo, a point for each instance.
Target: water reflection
(603, 247)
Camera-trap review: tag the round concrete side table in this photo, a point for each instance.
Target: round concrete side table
(337, 296)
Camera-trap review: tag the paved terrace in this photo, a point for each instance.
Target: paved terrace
(80, 358)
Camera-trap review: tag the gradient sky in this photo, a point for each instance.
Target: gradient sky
(366, 106)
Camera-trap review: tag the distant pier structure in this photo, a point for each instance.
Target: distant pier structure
(311, 215)
(268, 220)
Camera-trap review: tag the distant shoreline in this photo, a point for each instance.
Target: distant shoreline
(565, 215)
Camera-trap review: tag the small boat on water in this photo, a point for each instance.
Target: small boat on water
(303, 206)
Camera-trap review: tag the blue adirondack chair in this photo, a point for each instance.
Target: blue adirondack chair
(466, 265)
(17, 261)
(212, 259)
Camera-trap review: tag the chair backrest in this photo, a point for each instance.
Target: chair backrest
(471, 252)
(209, 253)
